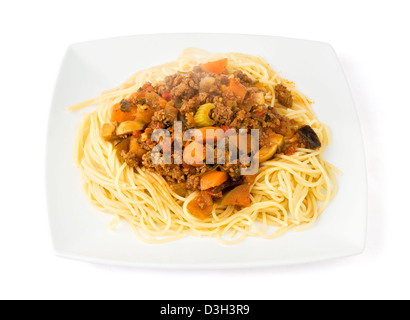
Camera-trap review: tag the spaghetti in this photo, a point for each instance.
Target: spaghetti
(290, 190)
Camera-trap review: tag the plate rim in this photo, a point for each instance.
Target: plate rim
(60, 252)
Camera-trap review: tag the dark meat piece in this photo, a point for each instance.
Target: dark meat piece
(244, 119)
(185, 86)
(217, 191)
(210, 88)
(185, 89)
(193, 182)
(131, 159)
(222, 114)
(125, 105)
(179, 86)
(167, 116)
(204, 97)
(309, 137)
(242, 76)
(280, 124)
(172, 173)
(284, 95)
(171, 113)
(188, 106)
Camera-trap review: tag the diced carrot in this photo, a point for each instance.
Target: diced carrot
(218, 66)
(162, 103)
(240, 196)
(136, 96)
(201, 206)
(144, 113)
(213, 179)
(117, 115)
(147, 86)
(237, 88)
(136, 148)
(194, 154)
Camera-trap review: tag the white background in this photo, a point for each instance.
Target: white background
(371, 39)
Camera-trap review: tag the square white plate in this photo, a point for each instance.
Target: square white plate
(80, 232)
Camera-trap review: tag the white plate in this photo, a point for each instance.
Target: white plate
(79, 231)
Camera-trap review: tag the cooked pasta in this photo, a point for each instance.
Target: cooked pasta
(161, 203)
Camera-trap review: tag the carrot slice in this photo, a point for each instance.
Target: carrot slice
(218, 66)
(194, 153)
(117, 115)
(213, 179)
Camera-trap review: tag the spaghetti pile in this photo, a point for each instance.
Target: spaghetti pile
(289, 190)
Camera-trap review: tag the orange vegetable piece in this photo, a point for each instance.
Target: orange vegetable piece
(194, 153)
(123, 145)
(240, 196)
(136, 148)
(211, 134)
(190, 118)
(134, 97)
(237, 88)
(201, 206)
(213, 179)
(218, 66)
(137, 133)
(144, 113)
(162, 103)
(250, 179)
(117, 115)
(108, 131)
(154, 100)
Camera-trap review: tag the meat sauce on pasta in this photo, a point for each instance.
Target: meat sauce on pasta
(207, 98)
